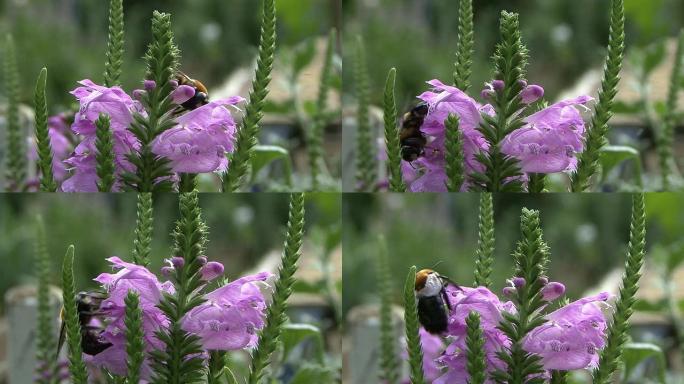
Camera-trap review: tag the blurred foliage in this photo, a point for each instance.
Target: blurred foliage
(243, 228)
(215, 37)
(565, 37)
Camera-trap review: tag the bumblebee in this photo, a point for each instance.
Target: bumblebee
(87, 305)
(411, 138)
(201, 94)
(433, 302)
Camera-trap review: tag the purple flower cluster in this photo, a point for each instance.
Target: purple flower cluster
(197, 144)
(547, 143)
(228, 320)
(570, 339)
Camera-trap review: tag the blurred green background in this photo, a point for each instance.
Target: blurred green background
(565, 38)
(587, 235)
(215, 37)
(243, 229)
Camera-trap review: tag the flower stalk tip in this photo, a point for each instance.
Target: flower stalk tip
(391, 134)
(115, 44)
(413, 342)
(47, 180)
(366, 171)
(389, 365)
(77, 367)
(464, 46)
(16, 151)
(249, 129)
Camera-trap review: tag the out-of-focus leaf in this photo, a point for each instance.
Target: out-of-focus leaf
(620, 106)
(653, 56)
(301, 286)
(636, 353)
(294, 334)
(642, 305)
(266, 154)
(614, 155)
(283, 108)
(310, 373)
(675, 256)
(304, 53)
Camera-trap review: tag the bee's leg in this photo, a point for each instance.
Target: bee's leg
(445, 296)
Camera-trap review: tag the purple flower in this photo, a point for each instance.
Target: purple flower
(130, 277)
(531, 93)
(211, 270)
(569, 340)
(427, 173)
(550, 138)
(201, 140)
(60, 144)
(232, 315)
(572, 336)
(95, 100)
(552, 291)
(433, 347)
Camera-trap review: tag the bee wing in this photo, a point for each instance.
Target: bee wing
(62, 337)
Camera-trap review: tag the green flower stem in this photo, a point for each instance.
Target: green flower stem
(666, 137)
(559, 377)
(476, 364)
(618, 331)
(249, 129)
(77, 368)
(389, 364)
(45, 338)
(16, 143)
(455, 166)
(180, 361)
(188, 182)
(598, 129)
(415, 350)
(47, 180)
(115, 44)
(510, 61)
(144, 227)
(315, 145)
(162, 64)
(536, 183)
(396, 183)
(464, 49)
(105, 154)
(366, 172)
(485, 242)
(135, 344)
(217, 367)
(275, 314)
(531, 258)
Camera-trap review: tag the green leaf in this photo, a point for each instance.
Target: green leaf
(293, 334)
(267, 154)
(304, 54)
(310, 373)
(653, 56)
(642, 305)
(636, 353)
(614, 155)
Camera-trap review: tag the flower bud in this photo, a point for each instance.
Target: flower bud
(552, 291)
(182, 94)
(509, 291)
(487, 94)
(167, 271)
(211, 271)
(531, 94)
(149, 85)
(138, 94)
(173, 83)
(202, 260)
(498, 85)
(543, 280)
(177, 262)
(519, 282)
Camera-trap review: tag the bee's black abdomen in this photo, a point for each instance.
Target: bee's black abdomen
(432, 314)
(196, 101)
(91, 342)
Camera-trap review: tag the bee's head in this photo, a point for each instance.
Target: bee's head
(421, 109)
(428, 283)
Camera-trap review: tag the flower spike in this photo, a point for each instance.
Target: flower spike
(392, 135)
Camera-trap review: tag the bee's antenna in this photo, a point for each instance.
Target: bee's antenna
(437, 264)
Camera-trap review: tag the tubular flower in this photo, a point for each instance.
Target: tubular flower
(550, 139)
(228, 320)
(232, 315)
(95, 100)
(427, 173)
(201, 140)
(433, 347)
(548, 142)
(130, 277)
(570, 338)
(198, 143)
